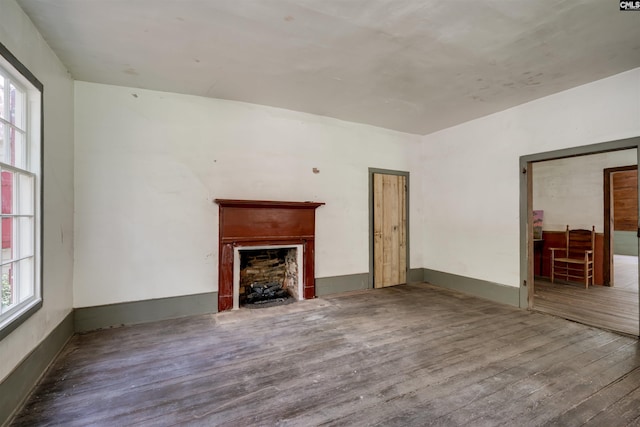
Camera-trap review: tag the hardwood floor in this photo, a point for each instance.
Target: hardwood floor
(625, 272)
(614, 308)
(401, 356)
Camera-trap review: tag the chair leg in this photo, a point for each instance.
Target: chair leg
(586, 275)
(586, 272)
(552, 269)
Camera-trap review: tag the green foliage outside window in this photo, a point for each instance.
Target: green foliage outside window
(6, 291)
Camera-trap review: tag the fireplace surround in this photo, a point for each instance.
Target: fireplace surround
(260, 223)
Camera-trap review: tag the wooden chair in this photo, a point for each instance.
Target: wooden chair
(576, 261)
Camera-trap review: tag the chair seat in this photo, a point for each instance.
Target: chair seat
(571, 260)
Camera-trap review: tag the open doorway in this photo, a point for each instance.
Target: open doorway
(568, 190)
(620, 226)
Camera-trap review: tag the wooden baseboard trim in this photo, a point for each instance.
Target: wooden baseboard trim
(476, 287)
(356, 282)
(338, 284)
(416, 275)
(131, 313)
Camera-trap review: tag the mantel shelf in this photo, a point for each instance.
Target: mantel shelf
(231, 203)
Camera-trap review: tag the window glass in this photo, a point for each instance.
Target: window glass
(7, 294)
(16, 106)
(24, 278)
(2, 142)
(7, 191)
(26, 186)
(17, 149)
(3, 110)
(24, 236)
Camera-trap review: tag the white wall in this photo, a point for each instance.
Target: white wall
(19, 35)
(471, 172)
(149, 164)
(571, 191)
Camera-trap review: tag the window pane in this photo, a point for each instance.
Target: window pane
(17, 149)
(8, 239)
(12, 150)
(25, 236)
(25, 200)
(3, 112)
(25, 278)
(7, 292)
(16, 106)
(2, 143)
(7, 192)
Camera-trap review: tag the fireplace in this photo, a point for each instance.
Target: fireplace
(251, 224)
(267, 274)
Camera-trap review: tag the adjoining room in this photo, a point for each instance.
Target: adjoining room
(596, 193)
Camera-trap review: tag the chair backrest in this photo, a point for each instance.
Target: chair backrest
(579, 241)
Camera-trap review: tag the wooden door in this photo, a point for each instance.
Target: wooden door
(389, 230)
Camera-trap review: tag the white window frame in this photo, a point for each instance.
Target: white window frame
(23, 80)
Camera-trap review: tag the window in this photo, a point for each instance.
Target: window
(20, 192)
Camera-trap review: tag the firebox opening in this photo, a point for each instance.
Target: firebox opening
(268, 277)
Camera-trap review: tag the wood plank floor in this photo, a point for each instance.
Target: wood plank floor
(614, 308)
(411, 355)
(625, 272)
(600, 306)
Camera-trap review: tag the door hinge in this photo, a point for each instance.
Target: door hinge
(524, 171)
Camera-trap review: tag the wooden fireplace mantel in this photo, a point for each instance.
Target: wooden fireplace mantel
(259, 223)
(266, 204)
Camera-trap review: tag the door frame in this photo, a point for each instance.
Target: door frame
(371, 230)
(607, 266)
(526, 203)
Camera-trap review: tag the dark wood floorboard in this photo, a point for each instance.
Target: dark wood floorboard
(402, 356)
(613, 308)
